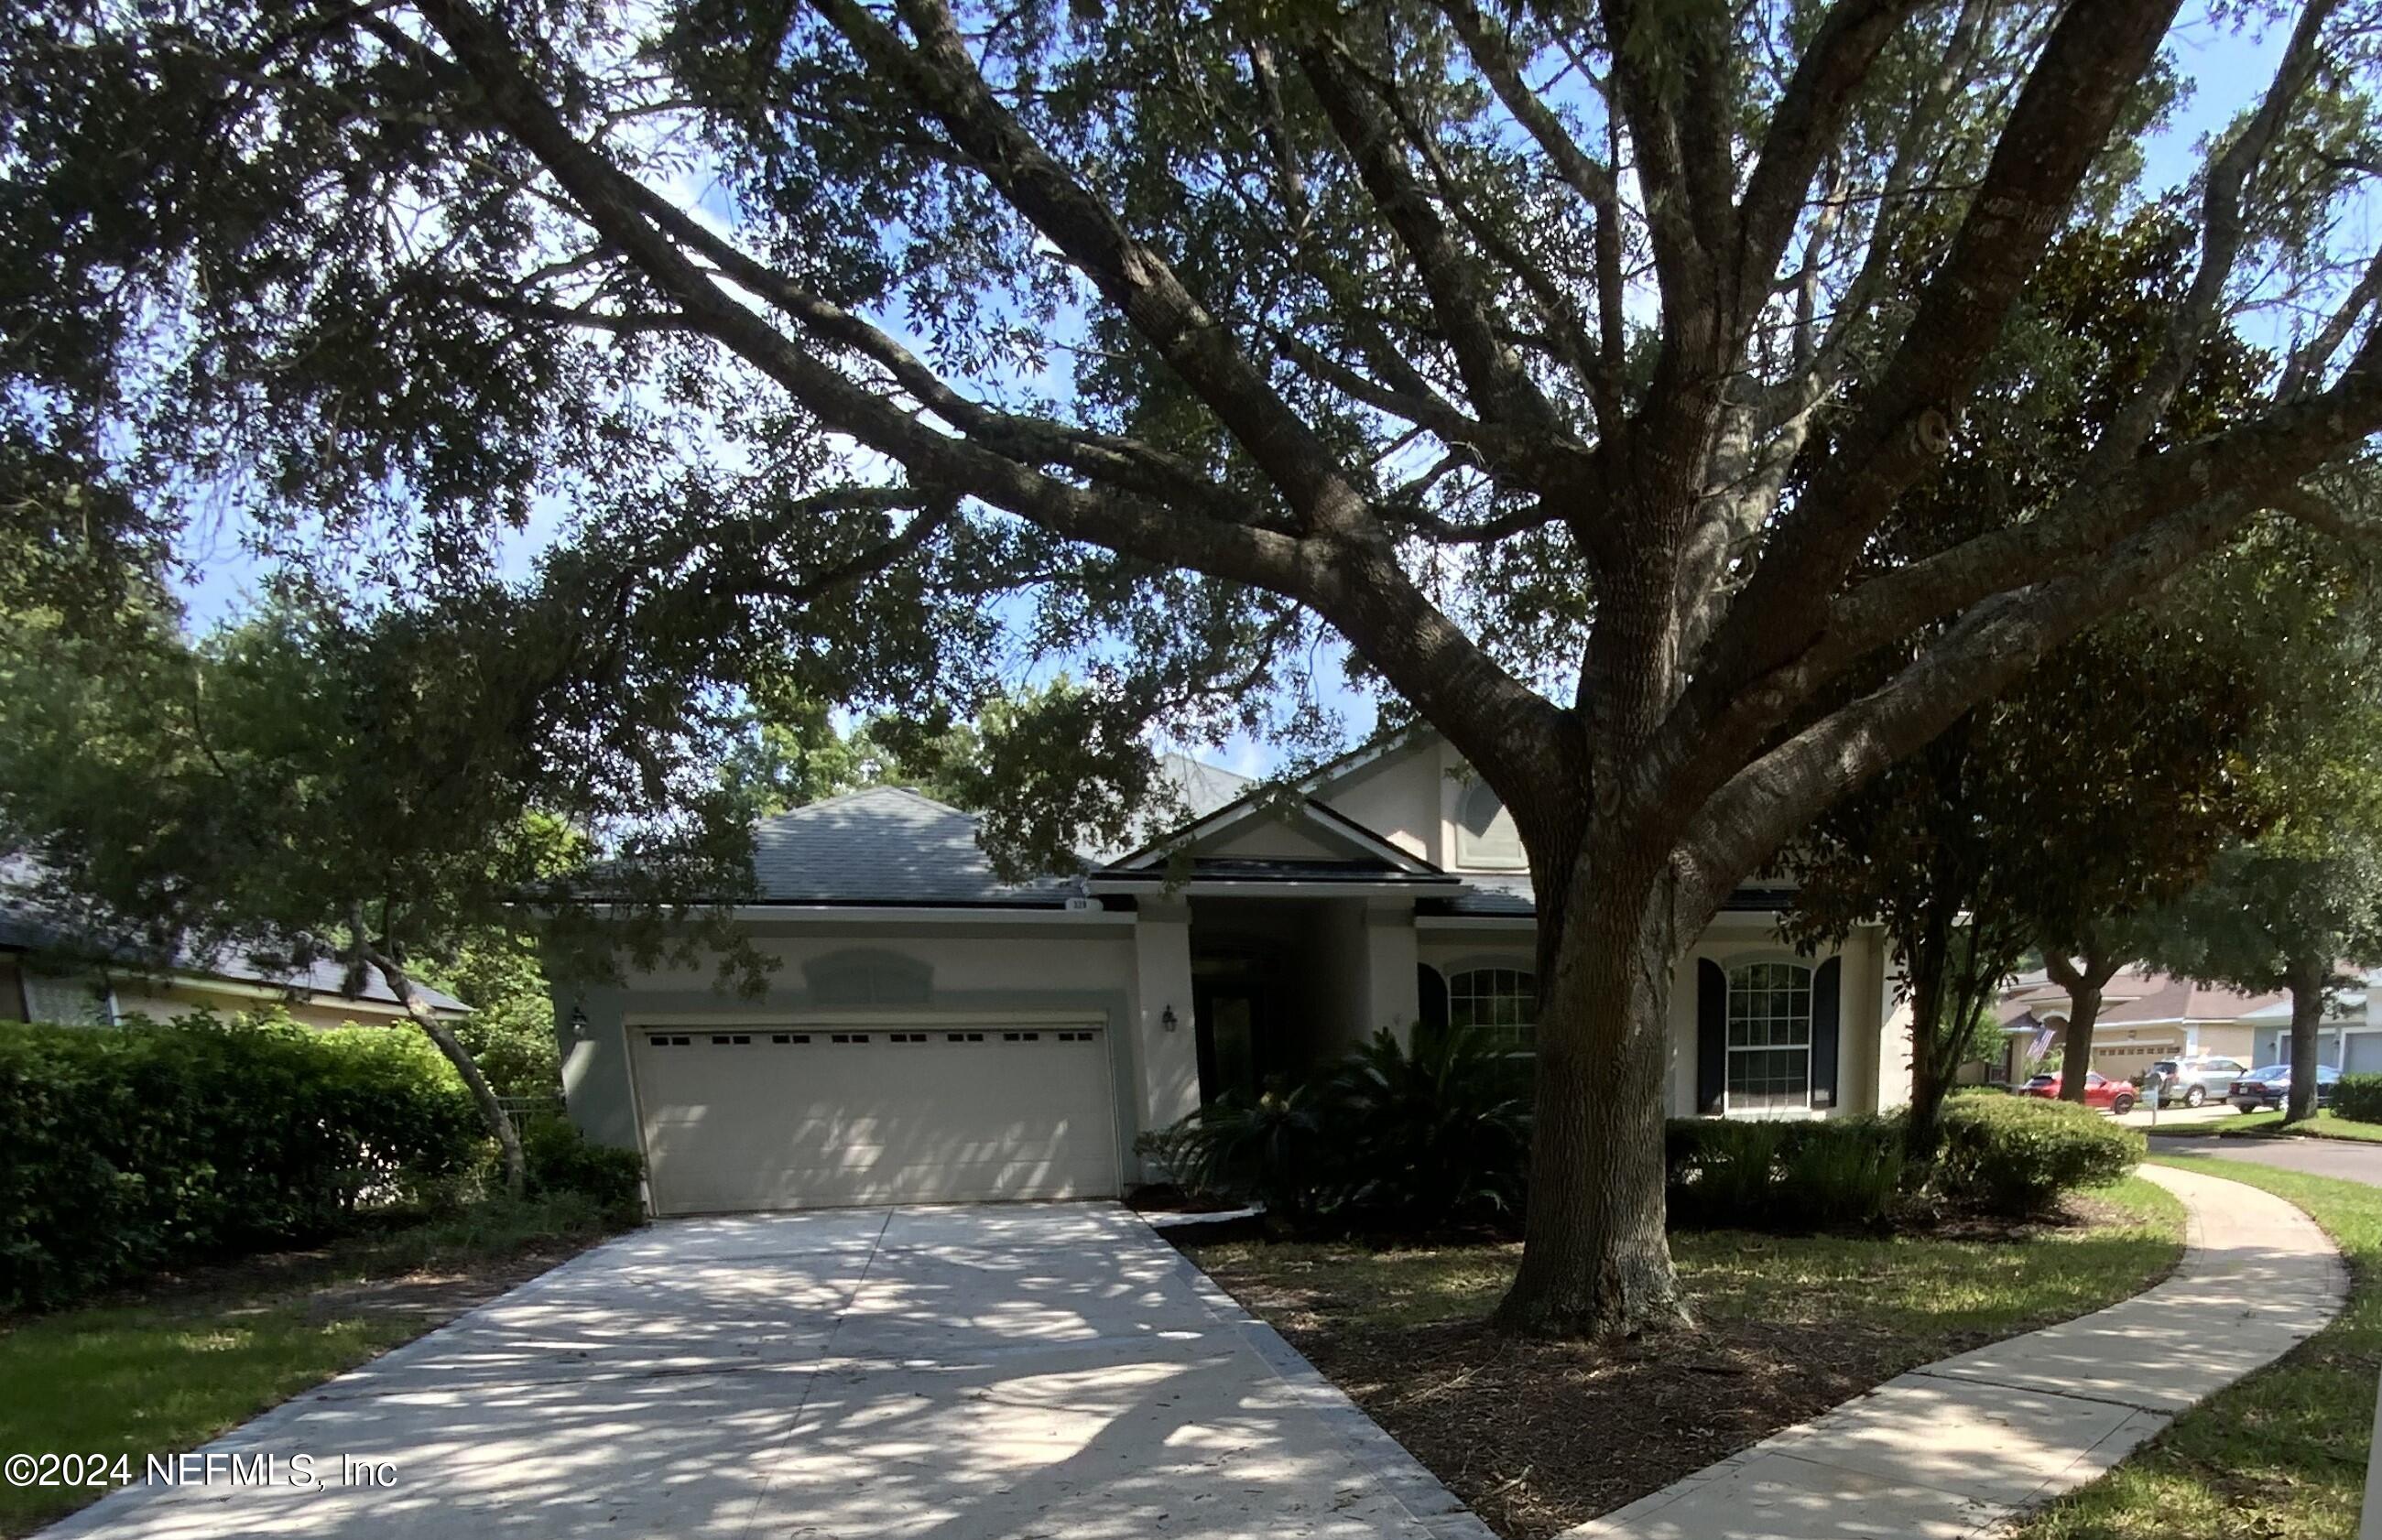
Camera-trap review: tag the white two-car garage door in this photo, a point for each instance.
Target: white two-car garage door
(813, 1117)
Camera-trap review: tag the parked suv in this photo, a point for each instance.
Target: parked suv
(2190, 1082)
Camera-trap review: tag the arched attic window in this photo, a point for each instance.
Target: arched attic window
(1486, 839)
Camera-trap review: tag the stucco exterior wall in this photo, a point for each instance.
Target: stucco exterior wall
(1400, 797)
(1268, 839)
(2224, 1040)
(1391, 1001)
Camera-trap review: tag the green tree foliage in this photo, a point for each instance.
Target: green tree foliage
(140, 1147)
(510, 1032)
(2283, 911)
(2104, 783)
(1564, 363)
(315, 786)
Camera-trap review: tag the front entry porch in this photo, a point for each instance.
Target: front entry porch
(1281, 985)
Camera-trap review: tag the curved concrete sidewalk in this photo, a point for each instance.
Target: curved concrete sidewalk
(1962, 1447)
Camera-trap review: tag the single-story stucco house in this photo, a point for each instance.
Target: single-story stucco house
(934, 1033)
(73, 972)
(2147, 1016)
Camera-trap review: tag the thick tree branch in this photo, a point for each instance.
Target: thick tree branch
(1804, 127)
(943, 77)
(1499, 386)
(1494, 720)
(2221, 235)
(2094, 55)
(1744, 823)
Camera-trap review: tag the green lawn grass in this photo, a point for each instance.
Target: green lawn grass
(2281, 1454)
(1926, 1289)
(161, 1375)
(2324, 1125)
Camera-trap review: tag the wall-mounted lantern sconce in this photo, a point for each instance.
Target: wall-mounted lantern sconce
(579, 1032)
(1168, 1020)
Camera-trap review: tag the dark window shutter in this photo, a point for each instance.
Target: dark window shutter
(1712, 1038)
(1826, 989)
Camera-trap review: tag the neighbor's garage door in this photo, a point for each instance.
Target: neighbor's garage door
(2123, 1061)
(747, 1118)
(2361, 1053)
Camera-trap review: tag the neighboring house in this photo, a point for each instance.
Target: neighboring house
(2146, 1016)
(55, 969)
(935, 1033)
(2350, 1037)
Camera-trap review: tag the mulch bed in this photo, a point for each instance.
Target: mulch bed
(1537, 1437)
(312, 1278)
(437, 1296)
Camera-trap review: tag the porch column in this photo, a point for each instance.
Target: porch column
(1169, 1059)
(1391, 960)
(1895, 1049)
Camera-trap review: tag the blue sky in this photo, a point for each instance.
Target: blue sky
(2227, 65)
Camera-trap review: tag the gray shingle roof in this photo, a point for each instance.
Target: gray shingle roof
(885, 844)
(29, 925)
(1204, 787)
(1495, 896)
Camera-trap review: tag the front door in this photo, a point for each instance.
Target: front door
(1230, 1045)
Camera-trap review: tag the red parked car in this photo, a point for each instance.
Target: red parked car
(2099, 1091)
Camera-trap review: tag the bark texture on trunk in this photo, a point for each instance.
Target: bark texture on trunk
(2305, 982)
(2076, 1050)
(1930, 1076)
(1596, 1261)
(492, 1112)
(2083, 982)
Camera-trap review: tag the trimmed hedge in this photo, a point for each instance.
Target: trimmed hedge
(1838, 1174)
(1388, 1141)
(2358, 1098)
(137, 1148)
(2015, 1156)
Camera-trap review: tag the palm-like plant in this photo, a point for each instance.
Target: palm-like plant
(1435, 1135)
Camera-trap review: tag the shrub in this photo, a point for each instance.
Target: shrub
(130, 1149)
(2358, 1098)
(1387, 1139)
(2015, 1156)
(1429, 1137)
(1265, 1149)
(562, 1159)
(1842, 1173)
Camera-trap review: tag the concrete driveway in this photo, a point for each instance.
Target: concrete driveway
(942, 1373)
(2319, 1157)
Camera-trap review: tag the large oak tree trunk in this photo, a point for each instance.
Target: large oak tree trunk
(1597, 1262)
(2305, 982)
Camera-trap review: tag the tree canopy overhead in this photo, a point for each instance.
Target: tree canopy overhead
(1572, 363)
